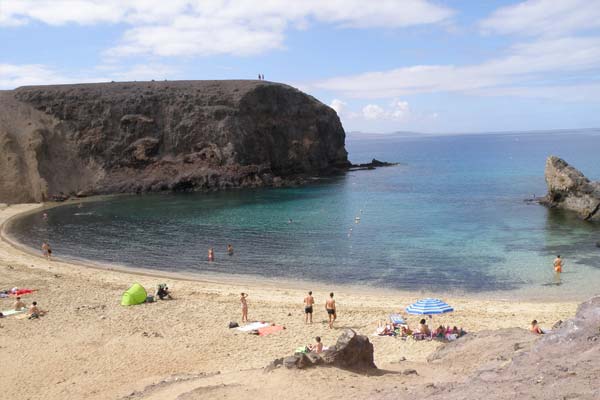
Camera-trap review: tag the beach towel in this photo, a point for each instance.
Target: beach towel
(8, 313)
(267, 330)
(21, 292)
(397, 319)
(253, 326)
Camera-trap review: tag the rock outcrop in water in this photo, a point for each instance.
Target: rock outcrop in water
(571, 190)
(150, 136)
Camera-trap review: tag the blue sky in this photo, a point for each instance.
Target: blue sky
(390, 65)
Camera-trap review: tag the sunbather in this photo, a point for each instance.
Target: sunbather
(34, 311)
(423, 328)
(440, 332)
(405, 330)
(19, 305)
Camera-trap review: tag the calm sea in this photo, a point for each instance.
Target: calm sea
(450, 218)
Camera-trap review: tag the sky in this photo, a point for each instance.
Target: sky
(436, 66)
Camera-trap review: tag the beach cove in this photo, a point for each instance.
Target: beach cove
(89, 346)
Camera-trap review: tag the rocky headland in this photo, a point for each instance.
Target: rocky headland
(569, 189)
(85, 139)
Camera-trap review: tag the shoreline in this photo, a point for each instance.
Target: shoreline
(520, 294)
(89, 346)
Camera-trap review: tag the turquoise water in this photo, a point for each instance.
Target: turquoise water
(450, 218)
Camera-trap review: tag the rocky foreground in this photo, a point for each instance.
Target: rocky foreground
(57, 141)
(569, 189)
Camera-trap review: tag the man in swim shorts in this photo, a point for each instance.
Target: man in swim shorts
(330, 307)
(34, 311)
(308, 308)
(558, 264)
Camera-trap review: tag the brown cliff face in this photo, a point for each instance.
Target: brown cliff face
(151, 136)
(569, 189)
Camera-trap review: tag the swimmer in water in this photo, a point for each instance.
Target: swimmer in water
(230, 249)
(45, 216)
(290, 221)
(211, 254)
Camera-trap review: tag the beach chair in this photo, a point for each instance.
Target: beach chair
(396, 319)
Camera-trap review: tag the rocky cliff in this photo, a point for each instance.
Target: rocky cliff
(571, 190)
(151, 136)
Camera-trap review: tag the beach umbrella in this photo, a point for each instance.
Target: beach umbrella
(429, 307)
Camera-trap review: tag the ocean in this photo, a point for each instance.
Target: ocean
(450, 218)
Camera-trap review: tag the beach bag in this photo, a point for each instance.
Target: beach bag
(233, 325)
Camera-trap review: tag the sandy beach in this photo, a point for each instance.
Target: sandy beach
(89, 346)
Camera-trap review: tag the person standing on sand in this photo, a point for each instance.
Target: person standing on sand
(244, 304)
(211, 254)
(331, 310)
(308, 308)
(558, 264)
(46, 250)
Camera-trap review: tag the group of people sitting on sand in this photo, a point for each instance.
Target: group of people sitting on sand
(33, 311)
(422, 332)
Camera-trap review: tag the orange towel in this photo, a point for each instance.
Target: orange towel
(267, 330)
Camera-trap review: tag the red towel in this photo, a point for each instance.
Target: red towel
(21, 292)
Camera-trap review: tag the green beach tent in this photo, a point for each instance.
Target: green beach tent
(136, 294)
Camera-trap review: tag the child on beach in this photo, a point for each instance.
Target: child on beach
(535, 328)
(317, 347)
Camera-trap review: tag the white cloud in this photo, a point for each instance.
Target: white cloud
(338, 105)
(204, 27)
(527, 62)
(397, 110)
(544, 17)
(15, 75)
(372, 111)
(12, 76)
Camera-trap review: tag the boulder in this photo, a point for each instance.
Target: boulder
(569, 189)
(352, 351)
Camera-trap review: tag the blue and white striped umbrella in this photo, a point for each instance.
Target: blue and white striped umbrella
(429, 307)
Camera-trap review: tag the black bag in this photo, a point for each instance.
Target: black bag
(233, 325)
